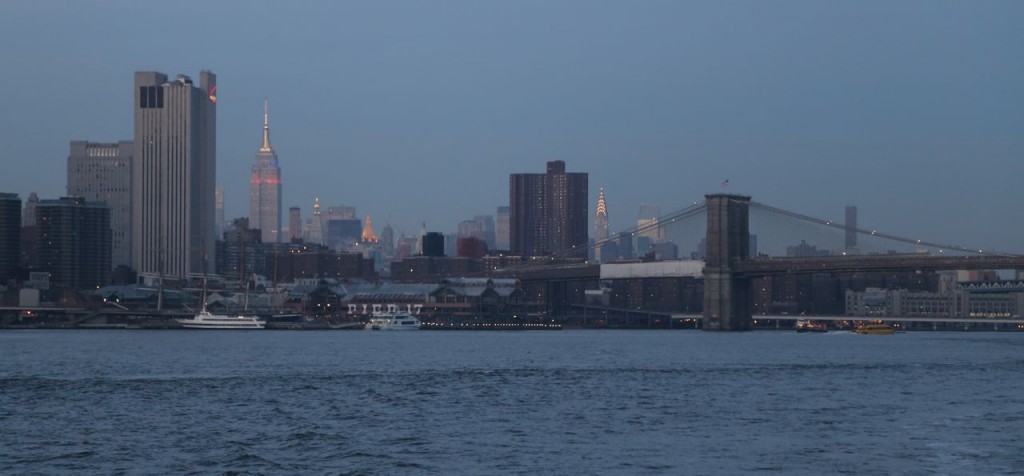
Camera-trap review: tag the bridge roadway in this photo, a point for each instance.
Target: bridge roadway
(768, 266)
(953, 320)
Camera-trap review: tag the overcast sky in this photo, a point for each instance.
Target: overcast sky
(418, 111)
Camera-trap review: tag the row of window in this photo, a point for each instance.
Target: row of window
(151, 97)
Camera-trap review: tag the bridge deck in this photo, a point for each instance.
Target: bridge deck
(832, 264)
(958, 320)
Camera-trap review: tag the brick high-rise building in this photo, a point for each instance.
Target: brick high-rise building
(548, 212)
(173, 172)
(241, 253)
(265, 189)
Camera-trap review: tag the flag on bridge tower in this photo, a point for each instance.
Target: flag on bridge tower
(725, 183)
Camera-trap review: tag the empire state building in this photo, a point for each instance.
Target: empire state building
(265, 189)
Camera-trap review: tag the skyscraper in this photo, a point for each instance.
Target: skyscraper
(647, 223)
(28, 216)
(10, 236)
(100, 172)
(387, 240)
(501, 229)
(851, 228)
(600, 225)
(294, 223)
(219, 218)
(265, 188)
(548, 212)
(74, 242)
(316, 226)
(173, 172)
(480, 227)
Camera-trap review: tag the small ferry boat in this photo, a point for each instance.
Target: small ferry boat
(811, 326)
(395, 321)
(875, 328)
(207, 320)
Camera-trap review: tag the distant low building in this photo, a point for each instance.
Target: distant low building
(1000, 299)
(311, 261)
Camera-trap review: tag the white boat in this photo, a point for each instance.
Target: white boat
(206, 320)
(395, 321)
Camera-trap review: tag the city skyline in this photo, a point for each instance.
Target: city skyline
(906, 110)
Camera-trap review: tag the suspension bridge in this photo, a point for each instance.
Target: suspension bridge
(740, 240)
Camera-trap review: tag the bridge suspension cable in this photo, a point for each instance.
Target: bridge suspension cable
(874, 233)
(691, 211)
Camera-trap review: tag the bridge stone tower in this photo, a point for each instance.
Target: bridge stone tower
(728, 299)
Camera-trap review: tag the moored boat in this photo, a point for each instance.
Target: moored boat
(811, 326)
(207, 320)
(394, 321)
(875, 328)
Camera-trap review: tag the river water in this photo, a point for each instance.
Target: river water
(533, 402)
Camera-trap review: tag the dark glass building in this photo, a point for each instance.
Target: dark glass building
(548, 212)
(851, 228)
(294, 223)
(10, 235)
(433, 244)
(74, 241)
(342, 233)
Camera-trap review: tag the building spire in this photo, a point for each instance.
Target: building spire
(368, 235)
(266, 128)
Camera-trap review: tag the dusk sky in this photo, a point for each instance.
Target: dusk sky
(419, 111)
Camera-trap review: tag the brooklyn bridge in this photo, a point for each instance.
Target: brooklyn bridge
(740, 241)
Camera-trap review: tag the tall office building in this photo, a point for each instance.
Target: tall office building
(316, 225)
(265, 188)
(340, 212)
(480, 227)
(548, 212)
(387, 240)
(74, 242)
(102, 172)
(294, 223)
(219, 217)
(647, 223)
(600, 225)
(501, 229)
(851, 228)
(28, 216)
(10, 236)
(173, 172)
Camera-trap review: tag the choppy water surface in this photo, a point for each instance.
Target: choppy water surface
(568, 402)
